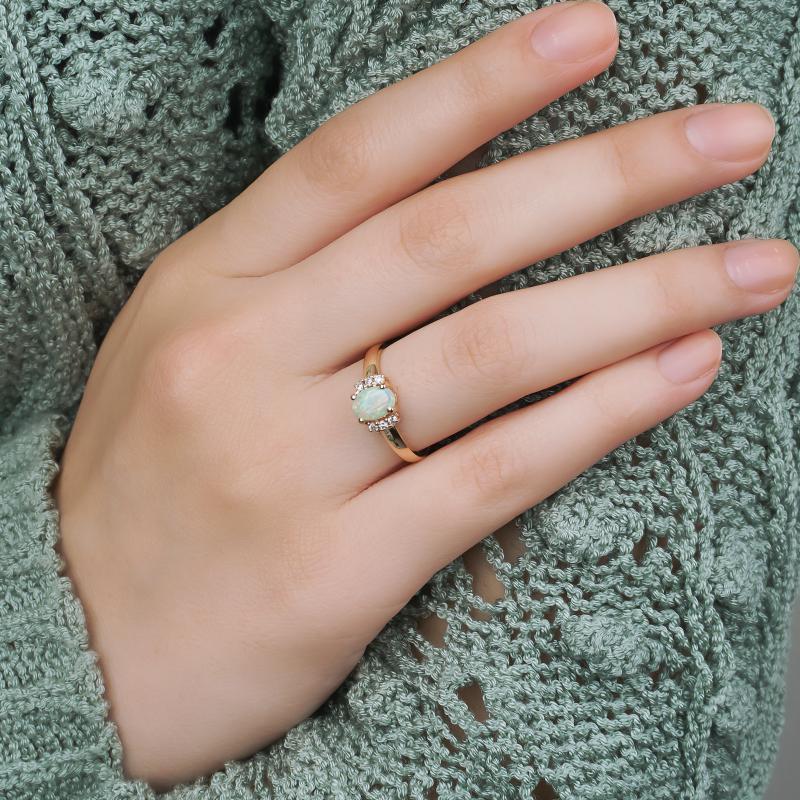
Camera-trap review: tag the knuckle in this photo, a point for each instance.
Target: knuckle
(338, 157)
(626, 172)
(436, 232)
(667, 291)
(477, 83)
(487, 466)
(182, 371)
(618, 413)
(185, 395)
(489, 344)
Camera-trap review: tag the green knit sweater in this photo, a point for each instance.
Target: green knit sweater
(639, 650)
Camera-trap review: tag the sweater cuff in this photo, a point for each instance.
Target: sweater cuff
(56, 738)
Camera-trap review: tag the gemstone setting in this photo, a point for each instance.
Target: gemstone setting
(374, 403)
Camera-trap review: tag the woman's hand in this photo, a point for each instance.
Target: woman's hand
(235, 536)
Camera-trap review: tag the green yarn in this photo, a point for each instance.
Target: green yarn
(639, 650)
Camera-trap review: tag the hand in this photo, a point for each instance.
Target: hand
(235, 536)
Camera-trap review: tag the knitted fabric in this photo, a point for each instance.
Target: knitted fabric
(637, 645)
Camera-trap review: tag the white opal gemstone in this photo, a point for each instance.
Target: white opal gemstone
(373, 403)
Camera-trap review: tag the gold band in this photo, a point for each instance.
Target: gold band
(372, 367)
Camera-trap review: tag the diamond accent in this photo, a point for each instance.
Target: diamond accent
(384, 424)
(373, 380)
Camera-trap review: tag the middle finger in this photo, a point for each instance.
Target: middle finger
(405, 264)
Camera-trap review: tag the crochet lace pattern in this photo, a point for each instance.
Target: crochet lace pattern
(633, 643)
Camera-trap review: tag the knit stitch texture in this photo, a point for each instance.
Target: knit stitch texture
(637, 646)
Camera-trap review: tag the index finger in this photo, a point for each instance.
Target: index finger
(399, 139)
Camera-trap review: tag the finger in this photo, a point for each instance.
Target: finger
(400, 267)
(432, 511)
(457, 370)
(397, 140)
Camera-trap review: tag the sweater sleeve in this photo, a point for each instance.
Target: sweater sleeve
(119, 130)
(637, 646)
(55, 738)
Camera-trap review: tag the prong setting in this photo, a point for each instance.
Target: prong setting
(389, 417)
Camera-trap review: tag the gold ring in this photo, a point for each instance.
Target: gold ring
(375, 404)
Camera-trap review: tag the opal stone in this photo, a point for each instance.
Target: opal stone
(373, 403)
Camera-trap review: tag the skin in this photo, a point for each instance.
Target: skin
(235, 536)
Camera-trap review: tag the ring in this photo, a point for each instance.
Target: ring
(375, 405)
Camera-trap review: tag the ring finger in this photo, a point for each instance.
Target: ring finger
(457, 370)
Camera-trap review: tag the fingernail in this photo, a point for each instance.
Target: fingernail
(575, 32)
(737, 132)
(690, 357)
(761, 266)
